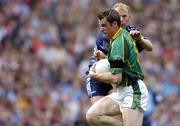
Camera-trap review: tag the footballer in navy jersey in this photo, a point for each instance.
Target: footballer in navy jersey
(97, 88)
(94, 87)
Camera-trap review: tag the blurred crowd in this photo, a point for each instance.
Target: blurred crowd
(45, 46)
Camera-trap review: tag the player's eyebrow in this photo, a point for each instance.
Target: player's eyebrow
(123, 15)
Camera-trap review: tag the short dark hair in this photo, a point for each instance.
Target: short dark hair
(110, 14)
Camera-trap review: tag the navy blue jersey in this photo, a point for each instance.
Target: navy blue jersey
(102, 43)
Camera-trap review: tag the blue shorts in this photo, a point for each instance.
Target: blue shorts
(97, 88)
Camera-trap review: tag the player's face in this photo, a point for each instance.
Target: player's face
(106, 27)
(124, 16)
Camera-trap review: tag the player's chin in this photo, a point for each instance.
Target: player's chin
(123, 25)
(105, 34)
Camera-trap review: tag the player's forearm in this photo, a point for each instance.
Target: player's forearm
(107, 77)
(146, 44)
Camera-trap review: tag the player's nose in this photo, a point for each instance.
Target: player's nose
(121, 18)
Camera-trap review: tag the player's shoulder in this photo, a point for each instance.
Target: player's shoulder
(101, 38)
(131, 27)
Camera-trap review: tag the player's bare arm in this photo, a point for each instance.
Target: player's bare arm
(145, 43)
(107, 77)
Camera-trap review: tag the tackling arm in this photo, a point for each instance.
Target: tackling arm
(146, 44)
(136, 35)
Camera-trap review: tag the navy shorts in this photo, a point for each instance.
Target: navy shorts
(97, 88)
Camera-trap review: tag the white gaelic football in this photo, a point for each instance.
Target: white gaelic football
(102, 65)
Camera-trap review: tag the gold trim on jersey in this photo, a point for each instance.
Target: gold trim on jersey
(115, 35)
(122, 48)
(117, 68)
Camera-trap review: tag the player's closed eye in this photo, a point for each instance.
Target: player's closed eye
(124, 16)
(103, 25)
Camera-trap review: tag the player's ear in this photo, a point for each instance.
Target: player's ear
(114, 23)
(130, 20)
(129, 16)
